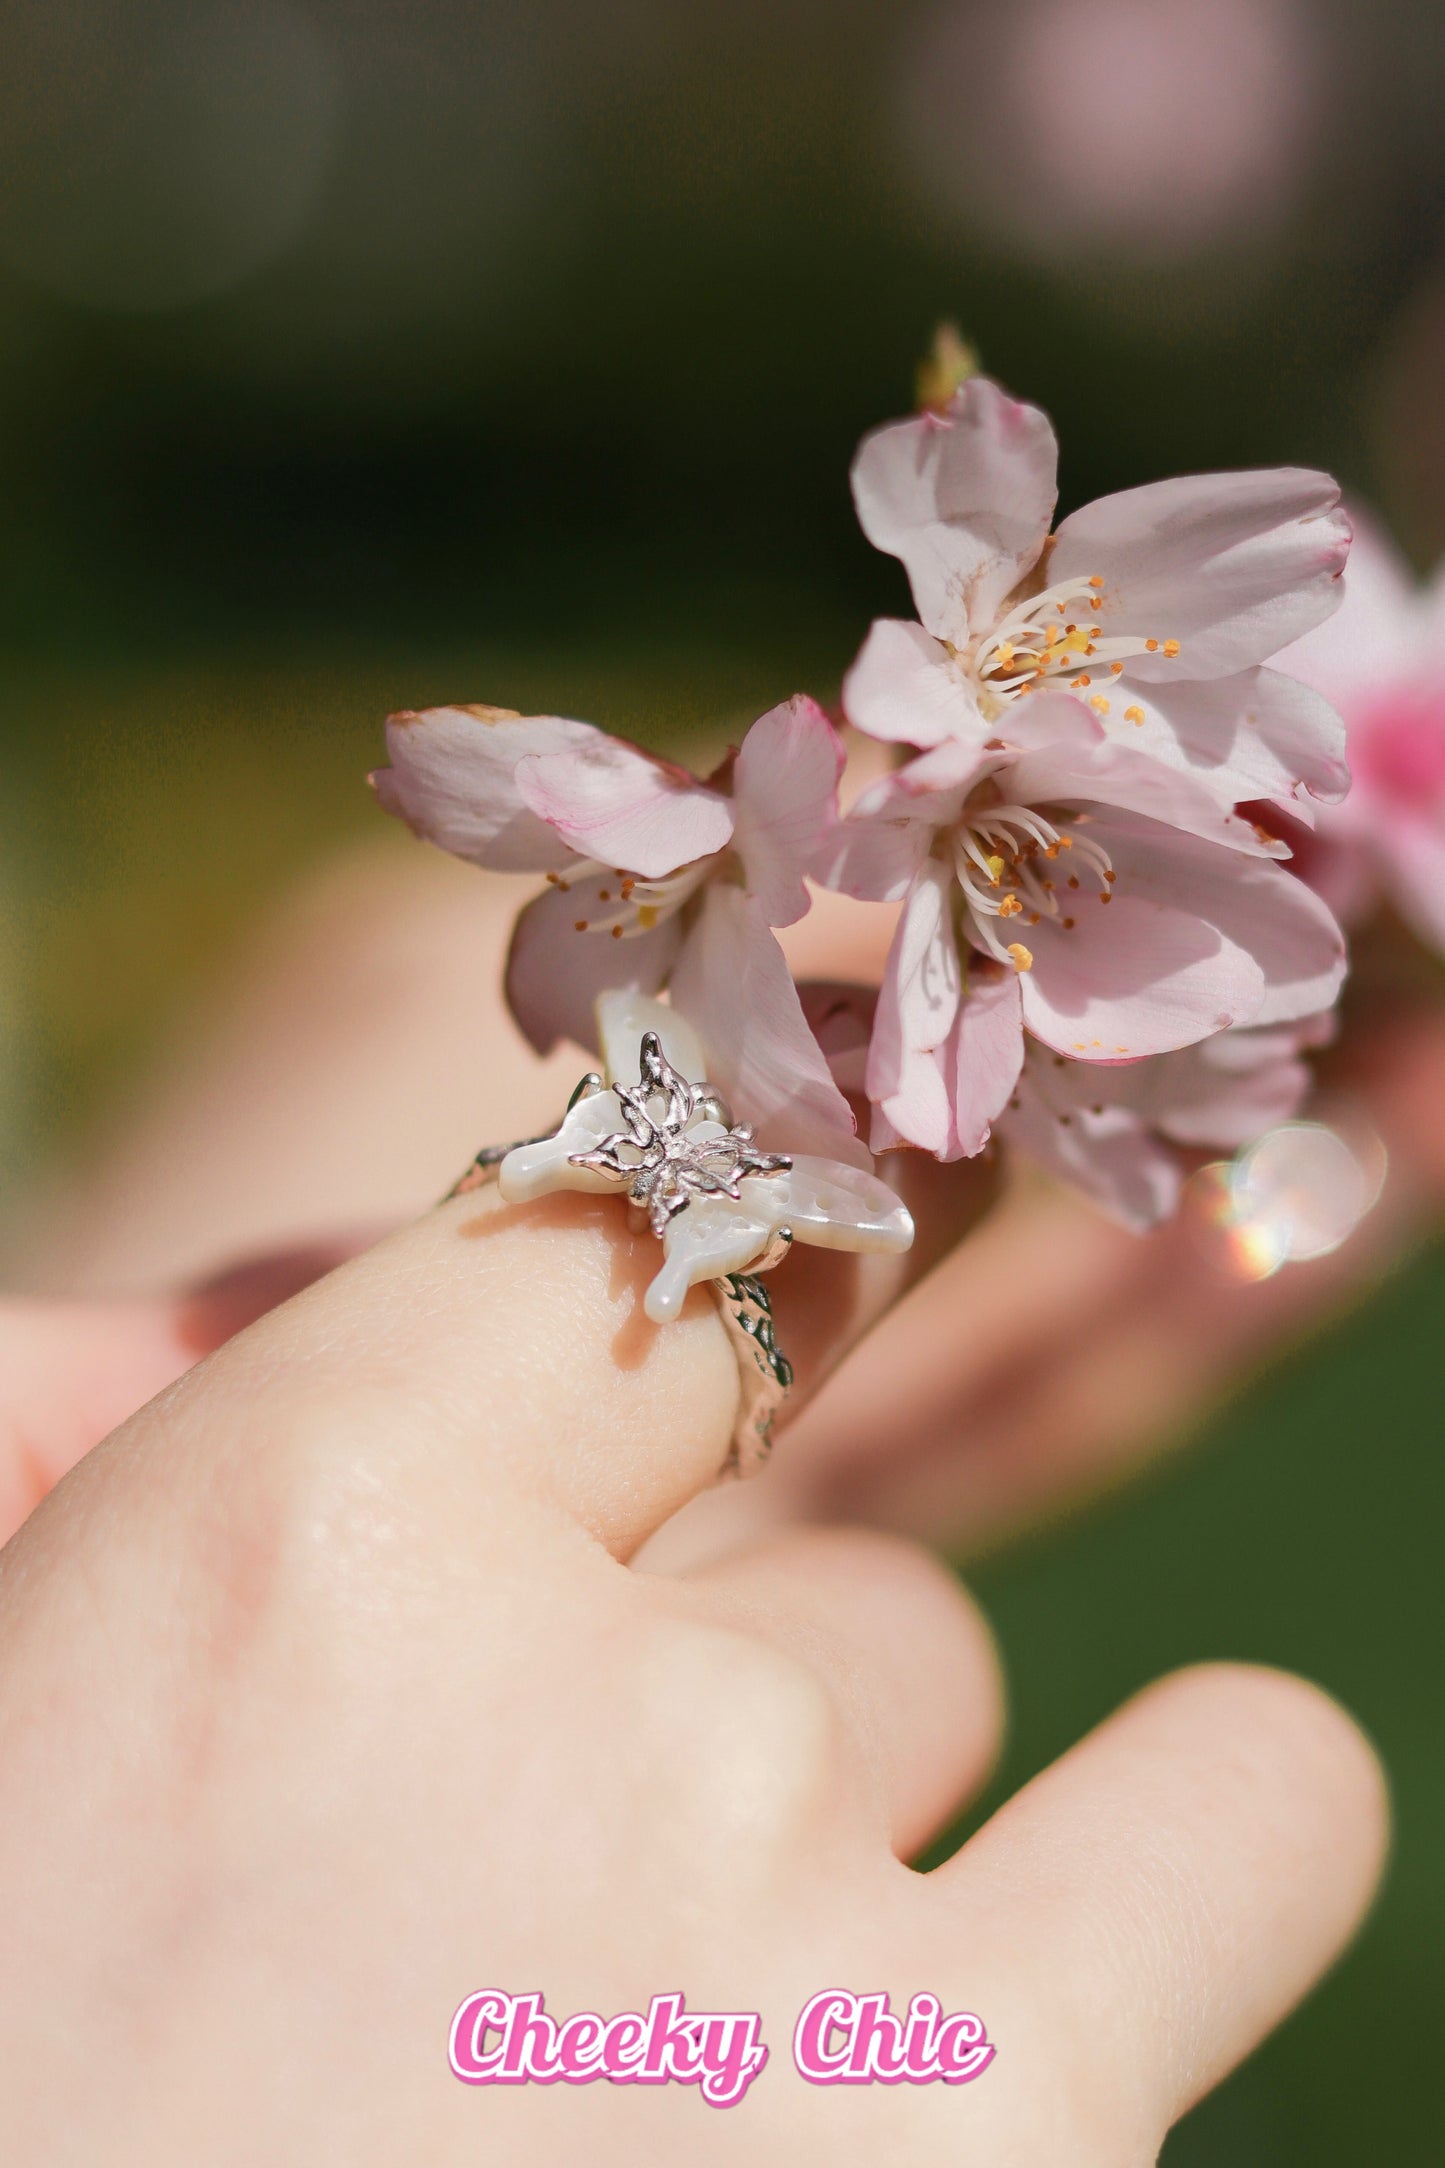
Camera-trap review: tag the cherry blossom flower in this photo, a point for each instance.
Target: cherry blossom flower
(716, 1202)
(1157, 607)
(1124, 1134)
(1056, 881)
(655, 879)
(1381, 661)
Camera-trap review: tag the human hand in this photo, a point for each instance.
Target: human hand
(327, 1695)
(362, 1052)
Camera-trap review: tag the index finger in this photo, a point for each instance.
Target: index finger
(484, 1348)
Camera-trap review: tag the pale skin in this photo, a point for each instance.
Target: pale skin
(330, 1691)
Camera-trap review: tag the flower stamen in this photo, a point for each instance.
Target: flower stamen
(994, 850)
(638, 905)
(1027, 647)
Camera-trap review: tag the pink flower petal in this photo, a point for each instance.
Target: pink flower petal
(904, 688)
(1048, 719)
(964, 499)
(555, 973)
(1195, 938)
(614, 803)
(1112, 1157)
(785, 804)
(1256, 735)
(840, 1015)
(1226, 1091)
(1232, 566)
(1134, 977)
(1113, 774)
(988, 1052)
(1263, 907)
(452, 779)
(732, 983)
(877, 849)
(917, 1009)
(1380, 630)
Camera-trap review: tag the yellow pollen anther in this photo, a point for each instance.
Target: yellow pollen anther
(616, 933)
(604, 895)
(1023, 958)
(1134, 715)
(1066, 843)
(579, 925)
(647, 916)
(1153, 646)
(1068, 925)
(1006, 653)
(1171, 648)
(995, 867)
(1096, 582)
(627, 887)
(1076, 685)
(1099, 704)
(1010, 907)
(1117, 668)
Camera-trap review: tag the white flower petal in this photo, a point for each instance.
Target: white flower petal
(1380, 631)
(1232, 566)
(964, 499)
(1257, 734)
(905, 688)
(625, 808)
(555, 973)
(453, 780)
(785, 803)
(731, 980)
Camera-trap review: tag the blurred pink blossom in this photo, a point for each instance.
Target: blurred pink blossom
(1381, 661)
(1122, 1134)
(1144, 127)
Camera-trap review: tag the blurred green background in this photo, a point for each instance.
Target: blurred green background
(359, 356)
